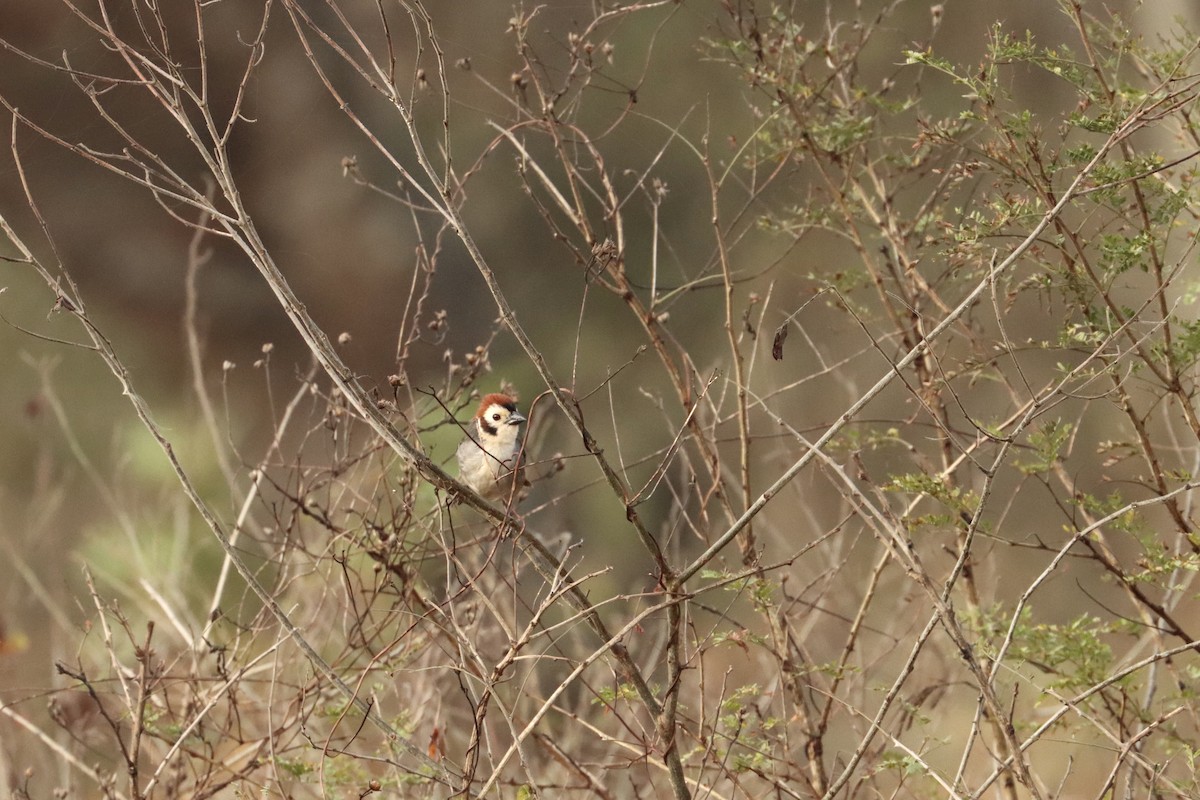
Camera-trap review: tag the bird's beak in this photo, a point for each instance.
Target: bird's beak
(515, 419)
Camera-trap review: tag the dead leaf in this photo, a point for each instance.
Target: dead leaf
(777, 346)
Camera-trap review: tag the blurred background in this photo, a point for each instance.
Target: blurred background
(80, 480)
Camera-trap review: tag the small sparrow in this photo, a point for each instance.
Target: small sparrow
(487, 457)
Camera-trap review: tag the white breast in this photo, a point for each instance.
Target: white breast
(481, 470)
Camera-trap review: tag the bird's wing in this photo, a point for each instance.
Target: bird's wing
(468, 445)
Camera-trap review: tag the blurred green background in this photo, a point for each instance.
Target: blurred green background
(81, 482)
(348, 255)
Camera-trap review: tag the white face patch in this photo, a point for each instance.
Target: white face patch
(493, 419)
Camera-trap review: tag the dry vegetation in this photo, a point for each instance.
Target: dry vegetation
(863, 417)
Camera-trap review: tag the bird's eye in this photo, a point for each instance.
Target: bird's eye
(496, 417)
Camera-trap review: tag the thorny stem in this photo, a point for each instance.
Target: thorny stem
(145, 676)
(748, 547)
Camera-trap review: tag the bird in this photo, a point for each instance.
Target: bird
(489, 458)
